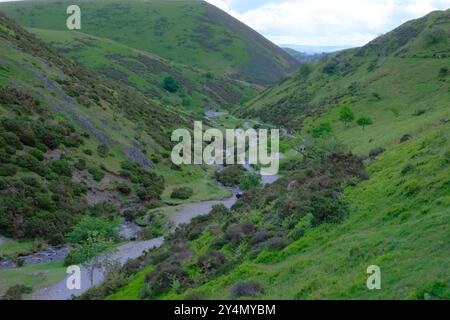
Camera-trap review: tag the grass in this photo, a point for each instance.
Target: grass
(36, 276)
(394, 223)
(208, 38)
(12, 248)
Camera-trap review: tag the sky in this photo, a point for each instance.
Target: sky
(326, 22)
(346, 23)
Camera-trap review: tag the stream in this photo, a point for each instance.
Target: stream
(183, 214)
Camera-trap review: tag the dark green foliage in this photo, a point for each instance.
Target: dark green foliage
(182, 193)
(346, 115)
(38, 154)
(331, 67)
(96, 174)
(250, 181)
(231, 175)
(103, 150)
(321, 130)
(94, 226)
(8, 170)
(124, 189)
(364, 121)
(16, 292)
(170, 84)
(29, 162)
(61, 167)
(165, 277)
(443, 72)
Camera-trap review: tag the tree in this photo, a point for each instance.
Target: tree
(346, 115)
(171, 85)
(364, 121)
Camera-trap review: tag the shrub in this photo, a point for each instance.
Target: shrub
(12, 140)
(250, 181)
(246, 289)
(364, 121)
(124, 189)
(211, 262)
(321, 130)
(8, 170)
(92, 226)
(61, 168)
(331, 67)
(103, 150)
(96, 174)
(231, 175)
(443, 72)
(80, 165)
(16, 292)
(346, 115)
(31, 163)
(182, 193)
(165, 277)
(170, 84)
(38, 154)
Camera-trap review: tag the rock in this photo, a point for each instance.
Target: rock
(376, 152)
(405, 138)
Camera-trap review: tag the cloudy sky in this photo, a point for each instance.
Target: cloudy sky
(327, 22)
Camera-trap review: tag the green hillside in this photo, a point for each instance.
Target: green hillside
(377, 194)
(399, 80)
(193, 33)
(74, 146)
(196, 89)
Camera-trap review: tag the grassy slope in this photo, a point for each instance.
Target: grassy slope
(406, 81)
(399, 218)
(146, 72)
(26, 64)
(190, 32)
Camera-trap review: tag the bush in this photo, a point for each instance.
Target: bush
(12, 140)
(211, 262)
(364, 121)
(250, 181)
(8, 170)
(346, 115)
(16, 292)
(124, 189)
(103, 150)
(171, 85)
(246, 289)
(31, 163)
(61, 168)
(182, 193)
(96, 174)
(38, 154)
(321, 130)
(91, 226)
(443, 72)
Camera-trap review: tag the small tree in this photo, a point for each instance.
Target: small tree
(364, 121)
(346, 115)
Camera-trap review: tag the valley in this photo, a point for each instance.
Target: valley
(87, 177)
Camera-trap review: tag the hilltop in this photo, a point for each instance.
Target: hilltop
(192, 33)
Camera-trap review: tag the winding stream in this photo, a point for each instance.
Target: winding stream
(183, 214)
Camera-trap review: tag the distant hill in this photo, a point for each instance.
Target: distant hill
(193, 33)
(303, 57)
(315, 49)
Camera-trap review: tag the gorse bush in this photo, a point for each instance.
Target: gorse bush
(182, 193)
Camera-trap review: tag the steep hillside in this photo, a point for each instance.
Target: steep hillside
(74, 145)
(372, 187)
(193, 33)
(196, 89)
(399, 80)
